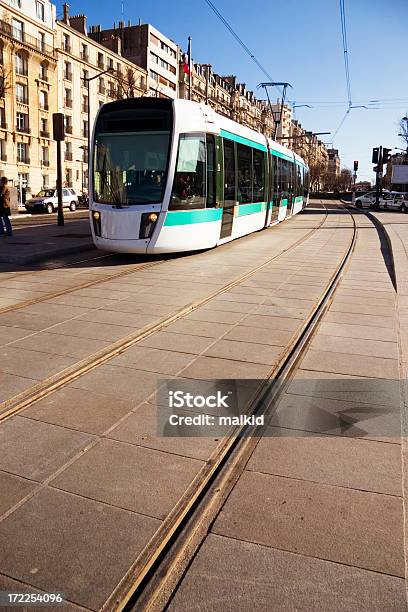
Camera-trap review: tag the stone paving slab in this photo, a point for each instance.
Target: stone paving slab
(365, 465)
(143, 480)
(66, 537)
(230, 575)
(338, 524)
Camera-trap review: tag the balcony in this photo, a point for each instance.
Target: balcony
(26, 39)
(23, 160)
(24, 129)
(44, 134)
(43, 77)
(68, 129)
(68, 156)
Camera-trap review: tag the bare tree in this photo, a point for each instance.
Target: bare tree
(127, 84)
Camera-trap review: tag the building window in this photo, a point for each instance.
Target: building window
(101, 86)
(45, 156)
(3, 154)
(44, 71)
(44, 133)
(22, 153)
(110, 63)
(40, 10)
(66, 43)
(67, 71)
(17, 28)
(22, 122)
(68, 98)
(41, 41)
(68, 151)
(154, 40)
(68, 124)
(85, 129)
(3, 123)
(84, 52)
(21, 93)
(21, 63)
(45, 181)
(100, 60)
(43, 100)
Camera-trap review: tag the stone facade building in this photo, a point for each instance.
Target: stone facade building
(144, 46)
(28, 82)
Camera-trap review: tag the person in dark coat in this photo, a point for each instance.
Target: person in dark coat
(5, 210)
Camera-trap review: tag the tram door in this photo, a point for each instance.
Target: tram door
(274, 182)
(230, 189)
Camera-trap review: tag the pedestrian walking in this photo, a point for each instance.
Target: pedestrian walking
(5, 210)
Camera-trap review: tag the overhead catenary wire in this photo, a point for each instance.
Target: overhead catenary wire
(346, 67)
(241, 43)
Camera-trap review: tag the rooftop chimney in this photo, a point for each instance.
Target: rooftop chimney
(65, 9)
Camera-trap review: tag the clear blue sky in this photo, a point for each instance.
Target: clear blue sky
(297, 41)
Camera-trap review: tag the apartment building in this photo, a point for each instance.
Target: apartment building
(28, 85)
(144, 46)
(89, 75)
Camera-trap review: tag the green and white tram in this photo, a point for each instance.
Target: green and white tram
(173, 175)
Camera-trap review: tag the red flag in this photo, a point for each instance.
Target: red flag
(186, 68)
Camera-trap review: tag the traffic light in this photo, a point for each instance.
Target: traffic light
(376, 153)
(386, 155)
(355, 166)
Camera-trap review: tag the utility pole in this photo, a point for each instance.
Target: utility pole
(58, 123)
(378, 176)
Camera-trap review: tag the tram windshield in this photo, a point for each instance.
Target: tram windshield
(131, 151)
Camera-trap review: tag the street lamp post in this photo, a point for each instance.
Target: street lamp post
(87, 80)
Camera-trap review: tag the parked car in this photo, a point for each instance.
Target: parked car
(365, 200)
(47, 200)
(395, 200)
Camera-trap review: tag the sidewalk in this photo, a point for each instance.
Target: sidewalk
(30, 244)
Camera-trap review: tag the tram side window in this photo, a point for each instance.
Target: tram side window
(244, 162)
(299, 181)
(229, 173)
(189, 180)
(284, 178)
(276, 179)
(259, 176)
(210, 141)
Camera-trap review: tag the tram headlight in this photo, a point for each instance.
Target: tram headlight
(147, 224)
(96, 220)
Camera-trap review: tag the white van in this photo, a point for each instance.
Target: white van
(47, 200)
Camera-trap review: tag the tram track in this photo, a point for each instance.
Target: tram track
(159, 568)
(44, 388)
